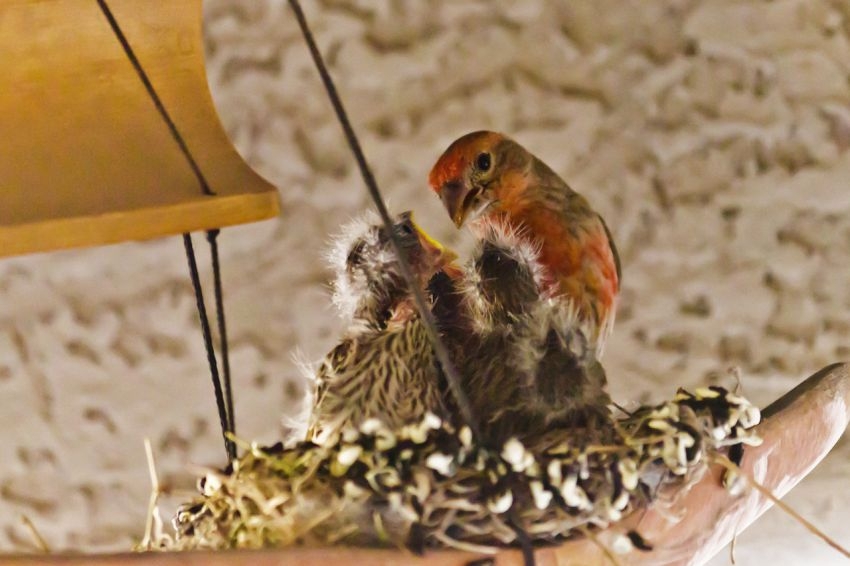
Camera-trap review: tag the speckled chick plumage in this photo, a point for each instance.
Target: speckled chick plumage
(384, 366)
(528, 366)
(486, 175)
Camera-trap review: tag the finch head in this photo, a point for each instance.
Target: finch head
(464, 175)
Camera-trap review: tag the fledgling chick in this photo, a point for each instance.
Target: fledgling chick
(529, 367)
(368, 285)
(488, 176)
(384, 367)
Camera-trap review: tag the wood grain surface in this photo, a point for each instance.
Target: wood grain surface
(85, 158)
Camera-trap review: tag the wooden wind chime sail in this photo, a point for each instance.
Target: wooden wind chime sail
(108, 133)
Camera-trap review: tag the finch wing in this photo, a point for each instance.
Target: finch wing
(613, 251)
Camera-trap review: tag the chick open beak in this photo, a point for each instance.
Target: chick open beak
(441, 255)
(458, 200)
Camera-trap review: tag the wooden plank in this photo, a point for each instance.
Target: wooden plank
(85, 159)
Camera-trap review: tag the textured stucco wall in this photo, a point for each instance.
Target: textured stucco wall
(712, 135)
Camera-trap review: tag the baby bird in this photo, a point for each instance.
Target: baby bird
(525, 356)
(384, 367)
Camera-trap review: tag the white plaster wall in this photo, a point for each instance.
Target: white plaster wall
(712, 134)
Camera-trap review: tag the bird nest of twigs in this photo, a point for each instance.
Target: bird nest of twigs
(428, 485)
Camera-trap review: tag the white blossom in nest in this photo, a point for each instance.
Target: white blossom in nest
(405, 511)
(350, 434)
(211, 484)
(542, 496)
(628, 473)
(611, 513)
(352, 490)
(621, 501)
(583, 467)
(501, 503)
(736, 399)
(465, 437)
(515, 454)
(573, 495)
(666, 410)
(553, 470)
(372, 426)
(621, 544)
(706, 393)
(347, 455)
(432, 421)
(417, 432)
(670, 455)
(441, 463)
(750, 415)
(385, 441)
(660, 424)
(683, 442)
(383, 478)
(720, 432)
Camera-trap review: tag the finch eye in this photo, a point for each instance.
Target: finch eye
(406, 229)
(483, 161)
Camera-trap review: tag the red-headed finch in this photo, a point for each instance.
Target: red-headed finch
(486, 175)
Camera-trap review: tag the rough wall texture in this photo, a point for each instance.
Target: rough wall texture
(713, 135)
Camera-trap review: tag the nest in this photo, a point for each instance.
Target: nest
(428, 485)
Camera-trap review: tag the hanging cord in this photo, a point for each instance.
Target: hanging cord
(428, 320)
(223, 399)
(212, 238)
(205, 328)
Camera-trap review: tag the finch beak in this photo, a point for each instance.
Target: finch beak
(447, 257)
(458, 200)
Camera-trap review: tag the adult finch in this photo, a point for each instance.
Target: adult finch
(486, 175)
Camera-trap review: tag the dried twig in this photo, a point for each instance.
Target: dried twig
(147, 541)
(38, 540)
(732, 467)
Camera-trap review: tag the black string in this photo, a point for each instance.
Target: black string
(205, 329)
(523, 539)
(143, 76)
(427, 317)
(224, 399)
(212, 238)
